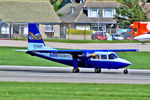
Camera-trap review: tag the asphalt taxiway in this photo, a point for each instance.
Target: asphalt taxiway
(64, 74)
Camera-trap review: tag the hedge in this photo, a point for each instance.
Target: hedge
(79, 32)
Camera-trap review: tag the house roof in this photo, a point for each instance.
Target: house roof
(147, 6)
(67, 16)
(101, 4)
(66, 9)
(80, 17)
(27, 11)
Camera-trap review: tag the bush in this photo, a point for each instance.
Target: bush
(79, 32)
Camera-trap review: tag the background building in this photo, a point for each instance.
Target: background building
(91, 15)
(16, 15)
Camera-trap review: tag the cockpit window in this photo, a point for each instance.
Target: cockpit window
(112, 56)
(103, 56)
(134, 29)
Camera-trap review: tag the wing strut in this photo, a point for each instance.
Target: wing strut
(75, 64)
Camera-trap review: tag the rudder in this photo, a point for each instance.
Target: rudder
(35, 41)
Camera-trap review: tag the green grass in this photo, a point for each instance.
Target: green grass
(10, 57)
(140, 60)
(72, 91)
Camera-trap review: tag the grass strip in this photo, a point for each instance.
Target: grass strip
(72, 91)
(87, 41)
(9, 57)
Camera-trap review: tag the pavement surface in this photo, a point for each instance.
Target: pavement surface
(64, 74)
(81, 45)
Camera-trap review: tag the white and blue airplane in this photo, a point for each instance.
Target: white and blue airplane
(98, 59)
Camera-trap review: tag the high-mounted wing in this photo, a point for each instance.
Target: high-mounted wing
(81, 51)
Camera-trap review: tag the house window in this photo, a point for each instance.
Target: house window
(108, 13)
(93, 13)
(4, 29)
(16, 28)
(21, 29)
(48, 28)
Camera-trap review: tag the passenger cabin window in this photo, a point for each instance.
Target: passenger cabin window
(103, 56)
(112, 56)
(96, 57)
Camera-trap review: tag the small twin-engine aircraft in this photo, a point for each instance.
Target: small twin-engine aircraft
(144, 37)
(97, 59)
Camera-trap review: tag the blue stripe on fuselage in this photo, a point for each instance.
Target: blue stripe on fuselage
(94, 64)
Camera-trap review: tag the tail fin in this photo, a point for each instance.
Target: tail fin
(35, 41)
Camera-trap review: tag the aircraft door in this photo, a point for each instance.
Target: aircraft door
(88, 63)
(96, 61)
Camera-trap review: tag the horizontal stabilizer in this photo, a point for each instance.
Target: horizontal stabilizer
(21, 50)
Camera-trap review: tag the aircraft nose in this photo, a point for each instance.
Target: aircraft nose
(125, 62)
(128, 63)
(136, 38)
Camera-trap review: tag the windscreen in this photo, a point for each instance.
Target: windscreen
(112, 56)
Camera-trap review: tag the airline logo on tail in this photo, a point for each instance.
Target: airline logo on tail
(34, 35)
(35, 41)
(37, 36)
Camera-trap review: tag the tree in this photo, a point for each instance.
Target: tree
(53, 1)
(56, 3)
(130, 11)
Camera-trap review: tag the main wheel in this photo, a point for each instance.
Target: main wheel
(125, 71)
(75, 70)
(97, 70)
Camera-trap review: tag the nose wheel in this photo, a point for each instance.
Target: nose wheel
(97, 70)
(125, 71)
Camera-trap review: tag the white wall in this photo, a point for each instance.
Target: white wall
(26, 30)
(5, 29)
(82, 27)
(56, 29)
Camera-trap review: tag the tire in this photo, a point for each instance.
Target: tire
(125, 71)
(97, 70)
(75, 70)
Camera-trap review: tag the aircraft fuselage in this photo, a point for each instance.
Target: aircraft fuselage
(108, 60)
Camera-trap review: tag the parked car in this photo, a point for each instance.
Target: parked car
(117, 37)
(98, 36)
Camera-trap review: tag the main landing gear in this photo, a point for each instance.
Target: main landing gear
(75, 70)
(97, 70)
(125, 71)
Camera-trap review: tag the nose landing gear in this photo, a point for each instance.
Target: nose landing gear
(125, 71)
